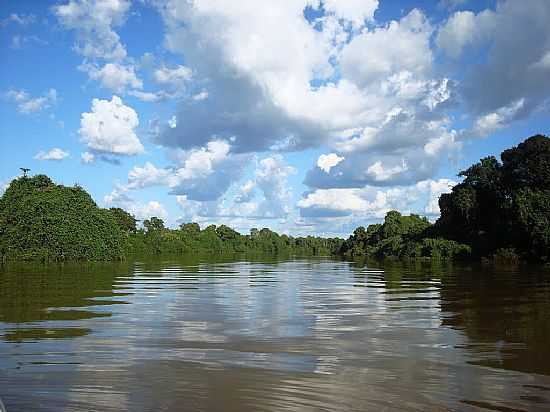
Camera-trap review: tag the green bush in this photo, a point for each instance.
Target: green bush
(40, 220)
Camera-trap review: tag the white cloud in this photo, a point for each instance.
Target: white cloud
(373, 203)
(356, 11)
(201, 95)
(141, 210)
(271, 179)
(148, 175)
(206, 173)
(507, 73)
(326, 162)
(380, 174)
(243, 50)
(191, 209)
(114, 76)
(368, 94)
(174, 79)
(110, 128)
(26, 104)
(93, 21)
(246, 192)
(87, 157)
(53, 154)
(383, 70)
(465, 28)
(489, 123)
(435, 188)
(402, 45)
(153, 208)
(201, 162)
(384, 104)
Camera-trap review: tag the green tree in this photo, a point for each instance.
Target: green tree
(124, 220)
(42, 220)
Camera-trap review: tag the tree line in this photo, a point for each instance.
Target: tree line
(40, 220)
(500, 210)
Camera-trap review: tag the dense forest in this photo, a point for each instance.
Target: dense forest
(40, 220)
(404, 237)
(501, 210)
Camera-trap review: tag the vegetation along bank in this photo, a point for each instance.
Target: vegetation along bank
(501, 209)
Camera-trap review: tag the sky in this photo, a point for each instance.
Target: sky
(304, 116)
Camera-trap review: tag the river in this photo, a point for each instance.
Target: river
(203, 334)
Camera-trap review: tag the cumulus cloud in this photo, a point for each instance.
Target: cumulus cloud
(264, 78)
(381, 174)
(146, 176)
(26, 104)
(401, 46)
(232, 65)
(206, 173)
(109, 128)
(383, 101)
(373, 203)
(465, 28)
(355, 11)
(511, 71)
(326, 162)
(489, 123)
(93, 21)
(271, 179)
(114, 76)
(52, 154)
(381, 156)
(266, 196)
(246, 192)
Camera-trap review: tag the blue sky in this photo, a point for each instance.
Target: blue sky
(305, 116)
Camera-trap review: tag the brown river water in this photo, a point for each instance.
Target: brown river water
(203, 334)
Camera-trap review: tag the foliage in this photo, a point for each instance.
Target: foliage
(222, 239)
(42, 220)
(124, 220)
(503, 205)
(403, 237)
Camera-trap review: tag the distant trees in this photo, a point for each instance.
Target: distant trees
(44, 221)
(500, 208)
(222, 239)
(403, 237)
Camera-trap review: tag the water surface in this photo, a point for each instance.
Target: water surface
(274, 335)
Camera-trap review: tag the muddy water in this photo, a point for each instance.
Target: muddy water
(274, 335)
